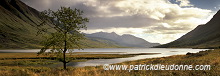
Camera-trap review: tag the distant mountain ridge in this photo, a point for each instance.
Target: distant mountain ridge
(203, 36)
(124, 40)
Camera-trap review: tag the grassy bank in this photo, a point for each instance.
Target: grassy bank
(210, 57)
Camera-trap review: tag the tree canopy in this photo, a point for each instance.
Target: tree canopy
(64, 32)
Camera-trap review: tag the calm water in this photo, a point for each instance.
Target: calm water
(163, 53)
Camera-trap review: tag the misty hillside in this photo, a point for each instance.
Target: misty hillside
(203, 36)
(124, 40)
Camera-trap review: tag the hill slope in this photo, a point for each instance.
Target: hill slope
(17, 25)
(203, 36)
(124, 40)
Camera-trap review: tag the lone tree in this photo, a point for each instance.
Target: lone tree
(63, 33)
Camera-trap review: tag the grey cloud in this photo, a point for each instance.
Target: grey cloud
(91, 11)
(112, 22)
(150, 31)
(176, 16)
(96, 22)
(88, 10)
(168, 30)
(124, 21)
(158, 31)
(134, 21)
(160, 27)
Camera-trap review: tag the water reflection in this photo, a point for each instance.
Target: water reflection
(164, 52)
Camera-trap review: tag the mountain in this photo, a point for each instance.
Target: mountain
(203, 36)
(124, 40)
(92, 42)
(18, 28)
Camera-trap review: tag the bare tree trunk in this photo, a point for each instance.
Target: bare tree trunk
(64, 54)
(64, 59)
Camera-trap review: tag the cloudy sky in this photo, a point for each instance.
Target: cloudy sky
(159, 21)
